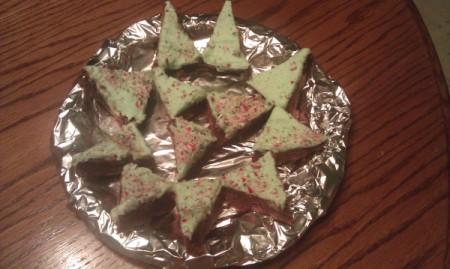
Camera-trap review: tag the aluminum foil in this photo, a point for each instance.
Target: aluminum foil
(241, 238)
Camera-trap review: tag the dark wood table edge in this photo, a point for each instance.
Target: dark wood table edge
(441, 85)
(439, 77)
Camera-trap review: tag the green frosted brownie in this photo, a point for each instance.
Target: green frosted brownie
(279, 83)
(175, 48)
(224, 48)
(195, 200)
(190, 142)
(126, 93)
(108, 157)
(177, 96)
(233, 112)
(105, 151)
(258, 179)
(283, 133)
(129, 136)
(143, 195)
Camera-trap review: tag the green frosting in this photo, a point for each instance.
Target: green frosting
(176, 95)
(224, 48)
(195, 200)
(191, 141)
(175, 48)
(283, 132)
(258, 179)
(233, 112)
(130, 137)
(139, 185)
(278, 84)
(126, 93)
(105, 151)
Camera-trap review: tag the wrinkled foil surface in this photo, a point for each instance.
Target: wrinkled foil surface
(243, 238)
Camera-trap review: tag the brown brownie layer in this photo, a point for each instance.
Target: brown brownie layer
(244, 203)
(194, 111)
(209, 73)
(98, 168)
(294, 155)
(290, 155)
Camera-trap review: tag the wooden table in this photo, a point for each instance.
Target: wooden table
(392, 210)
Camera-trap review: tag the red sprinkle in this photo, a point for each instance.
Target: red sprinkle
(250, 190)
(184, 220)
(137, 103)
(256, 165)
(243, 179)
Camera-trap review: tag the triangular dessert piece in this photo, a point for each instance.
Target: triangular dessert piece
(125, 93)
(224, 49)
(130, 137)
(190, 142)
(196, 201)
(175, 48)
(107, 158)
(234, 111)
(143, 195)
(177, 95)
(279, 83)
(107, 151)
(283, 133)
(260, 180)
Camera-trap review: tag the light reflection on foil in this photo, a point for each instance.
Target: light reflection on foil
(242, 239)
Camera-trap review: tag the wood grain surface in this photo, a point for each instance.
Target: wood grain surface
(392, 210)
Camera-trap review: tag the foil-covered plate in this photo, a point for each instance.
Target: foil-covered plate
(241, 238)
